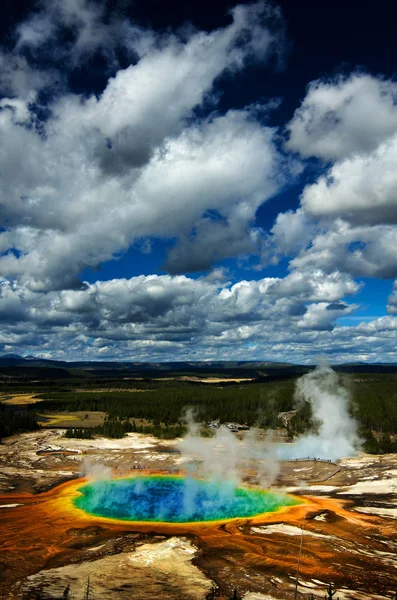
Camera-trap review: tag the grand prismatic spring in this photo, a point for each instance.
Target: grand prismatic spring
(176, 500)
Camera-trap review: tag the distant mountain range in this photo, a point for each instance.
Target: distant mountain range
(262, 368)
(16, 360)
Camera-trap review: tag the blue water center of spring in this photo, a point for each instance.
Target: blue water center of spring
(176, 500)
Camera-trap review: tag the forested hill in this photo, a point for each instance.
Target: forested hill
(208, 367)
(13, 360)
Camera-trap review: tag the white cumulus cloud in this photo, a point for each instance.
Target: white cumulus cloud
(344, 116)
(95, 174)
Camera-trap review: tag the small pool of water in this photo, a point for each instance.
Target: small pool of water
(176, 500)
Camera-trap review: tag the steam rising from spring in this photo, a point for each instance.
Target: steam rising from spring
(225, 457)
(95, 471)
(337, 431)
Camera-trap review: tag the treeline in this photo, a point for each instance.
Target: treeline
(254, 404)
(375, 402)
(384, 445)
(21, 385)
(15, 422)
(113, 427)
(374, 406)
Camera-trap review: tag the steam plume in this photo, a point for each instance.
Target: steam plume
(228, 458)
(95, 471)
(337, 431)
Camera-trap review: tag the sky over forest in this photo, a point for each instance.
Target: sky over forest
(198, 181)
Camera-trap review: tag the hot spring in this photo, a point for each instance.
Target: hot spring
(176, 500)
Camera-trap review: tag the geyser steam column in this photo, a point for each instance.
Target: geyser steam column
(176, 500)
(336, 435)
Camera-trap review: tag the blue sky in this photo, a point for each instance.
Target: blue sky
(198, 182)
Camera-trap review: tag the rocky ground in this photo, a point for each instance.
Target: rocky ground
(350, 538)
(159, 569)
(35, 462)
